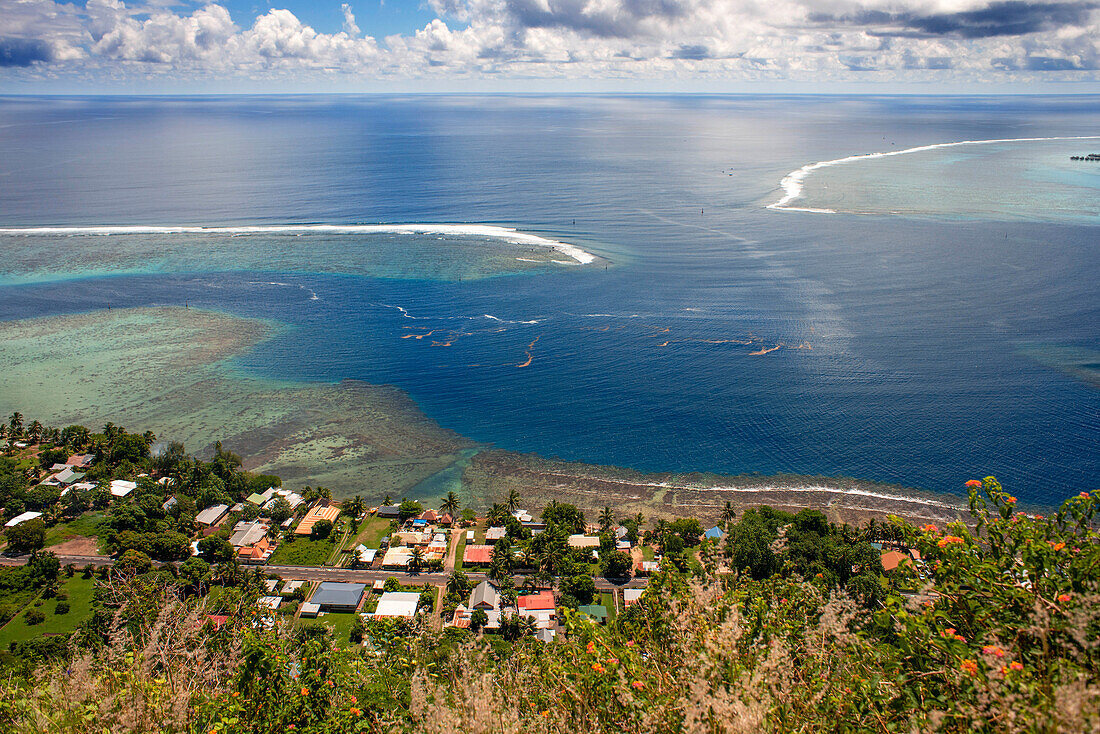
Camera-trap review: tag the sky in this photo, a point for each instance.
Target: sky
(661, 46)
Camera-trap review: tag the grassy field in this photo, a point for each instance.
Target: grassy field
(86, 525)
(80, 607)
(647, 553)
(461, 549)
(371, 532)
(340, 624)
(608, 600)
(303, 552)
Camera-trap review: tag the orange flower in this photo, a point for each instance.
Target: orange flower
(947, 540)
(974, 483)
(331, 684)
(1058, 546)
(1084, 495)
(949, 632)
(591, 648)
(354, 699)
(613, 661)
(1010, 500)
(545, 714)
(638, 685)
(630, 643)
(597, 667)
(236, 693)
(960, 638)
(1038, 517)
(354, 711)
(1014, 665)
(930, 528)
(993, 650)
(305, 691)
(1063, 598)
(969, 667)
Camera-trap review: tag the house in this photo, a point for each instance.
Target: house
(478, 555)
(292, 498)
(715, 533)
(892, 559)
(332, 596)
(597, 612)
(397, 557)
(291, 586)
(389, 511)
(246, 533)
(469, 536)
(584, 541)
(644, 568)
(631, 596)
(545, 635)
(394, 604)
(271, 585)
(212, 515)
(316, 515)
(122, 487)
(269, 602)
(259, 499)
(365, 555)
(414, 537)
(169, 504)
(217, 620)
(446, 520)
(429, 516)
(18, 519)
(542, 601)
(310, 610)
(258, 552)
(522, 516)
(81, 461)
(622, 545)
(461, 618)
(484, 596)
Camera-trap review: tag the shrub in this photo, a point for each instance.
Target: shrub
(34, 616)
(61, 608)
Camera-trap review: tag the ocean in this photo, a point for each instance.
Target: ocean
(939, 324)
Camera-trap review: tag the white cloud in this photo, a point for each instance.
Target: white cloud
(726, 39)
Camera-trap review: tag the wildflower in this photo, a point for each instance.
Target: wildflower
(929, 528)
(613, 661)
(638, 685)
(354, 699)
(993, 650)
(1015, 665)
(969, 667)
(819, 576)
(1084, 495)
(591, 648)
(597, 667)
(236, 693)
(545, 714)
(1010, 500)
(305, 691)
(974, 483)
(947, 540)
(354, 711)
(1063, 598)
(630, 643)
(1038, 517)
(949, 632)
(960, 638)
(331, 684)
(1057, 546)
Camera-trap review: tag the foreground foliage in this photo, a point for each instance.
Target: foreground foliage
(996, 631)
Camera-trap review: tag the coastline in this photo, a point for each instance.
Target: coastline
(170, 370)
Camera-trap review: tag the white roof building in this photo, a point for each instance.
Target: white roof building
(269, 602)
(21, 519)
(397, 604)
(122, 487)
(212, 515)
(584, 541)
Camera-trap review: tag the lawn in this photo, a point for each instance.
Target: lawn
(87, 525)
(461, 549)
(80, 606)
(372, 531)
(608, 600)
(303, 552)
(647, 553)
(340, 624)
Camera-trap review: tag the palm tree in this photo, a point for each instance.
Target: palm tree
(607, 519)
(527, 626)
(728, 515)
(458, 583)
(451, 505)
(496, 514)
(388, 500)
(513, 500)
(416, 560)
(3, 430)
(34, 431)
(354, 507)
(16, 423)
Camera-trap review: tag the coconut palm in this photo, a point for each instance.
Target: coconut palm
(728, 515)
(513, 500)
(496, 514)
(458, 583)
(34, 431)
(451, 505)
(16, 423)
(416, 560)
(607, 519)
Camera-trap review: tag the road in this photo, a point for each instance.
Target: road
(346, 575)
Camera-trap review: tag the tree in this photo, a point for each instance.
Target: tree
(43, 567)
(392, 584)
(409, 508)
(34, 431)
(607, 519)
(496, 515)
(354, 507)
(513, 500)
(195, 573)
(134, 562)
(617, 565)
(280, 510)
(478, 620)
(581, 587)
(16, 423)
(416, 559)
(450, 504)
(321, 530)
(728, 516)
(27, 536)
(216, 549)
(458, 583)
(564, 516)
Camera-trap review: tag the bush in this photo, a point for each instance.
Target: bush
(61, 608)
(34, 616)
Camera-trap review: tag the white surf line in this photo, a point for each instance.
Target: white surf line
(509, 234)
(767, 488)
(792, 182)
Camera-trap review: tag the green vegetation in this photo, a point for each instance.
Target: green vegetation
(87, 525)
(371, 532)
(303, 552)
(79, 592)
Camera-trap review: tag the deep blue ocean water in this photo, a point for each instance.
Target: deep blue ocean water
(922, 329)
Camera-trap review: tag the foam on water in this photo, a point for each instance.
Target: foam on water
(507, 234)
(792, 183)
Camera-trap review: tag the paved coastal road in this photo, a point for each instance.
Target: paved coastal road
(325, 573)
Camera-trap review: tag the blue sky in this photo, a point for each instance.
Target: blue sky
(52, 46)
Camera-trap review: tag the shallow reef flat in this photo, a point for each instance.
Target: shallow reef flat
(170, 370)
(493, 474)
(435, 252)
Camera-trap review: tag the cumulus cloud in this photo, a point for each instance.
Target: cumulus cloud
(727, 39)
